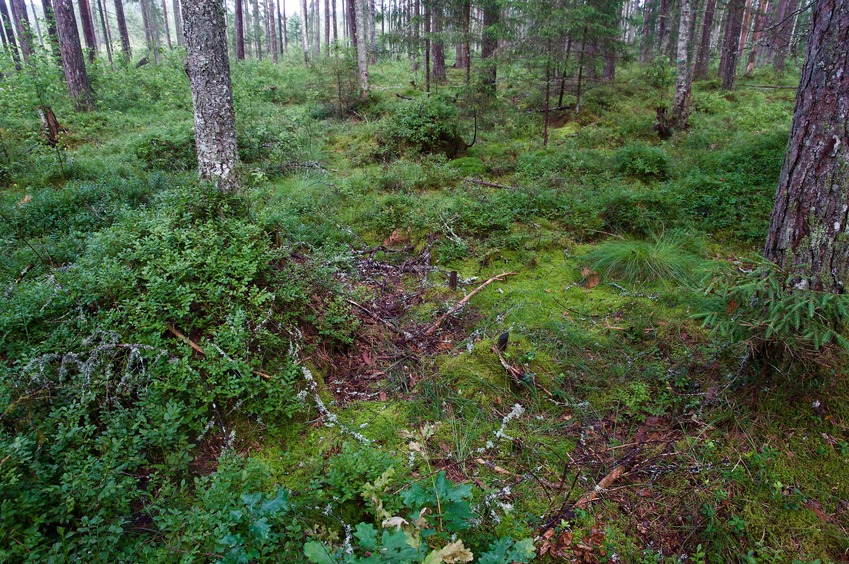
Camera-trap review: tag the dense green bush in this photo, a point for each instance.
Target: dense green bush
(643, 161)
(429, 125)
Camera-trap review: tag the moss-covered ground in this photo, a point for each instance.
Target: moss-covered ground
(617, 380)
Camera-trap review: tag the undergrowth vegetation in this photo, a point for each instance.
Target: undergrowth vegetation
(290, 375)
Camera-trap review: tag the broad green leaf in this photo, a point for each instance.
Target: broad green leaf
(367, 535)
(317, 553)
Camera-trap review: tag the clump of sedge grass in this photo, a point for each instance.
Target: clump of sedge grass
(662, 259)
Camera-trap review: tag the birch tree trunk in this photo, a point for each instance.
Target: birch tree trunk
(212, 95)
(178, 23)
(681, 104)
(362, 55)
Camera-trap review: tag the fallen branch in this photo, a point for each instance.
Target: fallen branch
(432, 329)
(174, 331)
(603, 484)
(480, 182)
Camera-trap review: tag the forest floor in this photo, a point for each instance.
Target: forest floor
(454, 310)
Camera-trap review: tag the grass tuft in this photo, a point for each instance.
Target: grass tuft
(662, 259)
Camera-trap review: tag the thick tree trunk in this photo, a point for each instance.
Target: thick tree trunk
(178, 23)
(489, 45)
(728, 62)
(681, 104)
(438, 50)
(22, 27)
(76, 76)
(239, 24)
(362, 55)
(700, 71)
(10, 34)
(809, 225)
(122, 30)
(88, 29)
(212, 95)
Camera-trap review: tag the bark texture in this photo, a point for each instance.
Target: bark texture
(178, 23)
(809, 227)
(240, 31)
(122, 29)
(76, 76)
(88, 29)
(52, 34)
(22, 27)
(212, 94)
(438, 49)
(362, 48)
(683, 81)
(730, 43)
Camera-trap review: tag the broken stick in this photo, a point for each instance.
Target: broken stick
(432, 329)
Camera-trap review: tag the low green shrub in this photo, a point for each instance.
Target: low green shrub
(643, 161)
(429, 125)
(169, 148)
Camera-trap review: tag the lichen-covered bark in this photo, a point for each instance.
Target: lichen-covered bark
(212, 94)
(681, 104)
(809, 228)
(76, 76)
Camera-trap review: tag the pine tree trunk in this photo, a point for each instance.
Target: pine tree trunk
(681, 104)
(304, 38)
(10, 34)
(76, 76)
(88, 29)
(22, 27)
(700, 70)
(167, 27)
(240, 31)
(663, 27)
(372, 40)
(362, 55)
(728, 62)
(327, 26)
(645, 47)
(178, 23)
(212, 95)
(270, 31)
(438, 43)
(427, 45)
(784, 35)
(809, 226)
(335, 23)
(489, 45)
(756, 37)
(122, 30)
(744, 30)
(106, 39)
(257, 31)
